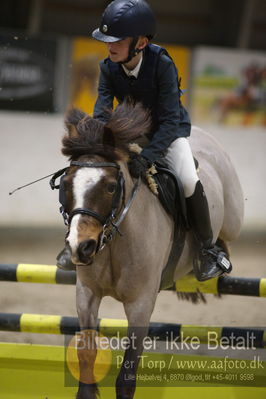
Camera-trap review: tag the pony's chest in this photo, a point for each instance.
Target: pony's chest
(106, 282)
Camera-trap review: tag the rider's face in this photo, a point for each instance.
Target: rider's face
(118, 51)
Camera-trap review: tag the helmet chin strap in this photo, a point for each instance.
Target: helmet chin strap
(132, 51)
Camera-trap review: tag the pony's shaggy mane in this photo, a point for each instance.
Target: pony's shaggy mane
(88, 136)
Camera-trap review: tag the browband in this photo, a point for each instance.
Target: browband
(95, 164)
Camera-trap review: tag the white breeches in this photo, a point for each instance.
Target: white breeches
(180, 160)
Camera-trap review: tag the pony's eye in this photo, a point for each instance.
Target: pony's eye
(111, 188)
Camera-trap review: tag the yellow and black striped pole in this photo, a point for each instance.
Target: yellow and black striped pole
(31, 273)
(49, 274)
(51, 324)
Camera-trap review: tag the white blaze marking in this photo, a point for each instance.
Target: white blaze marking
(84, 179)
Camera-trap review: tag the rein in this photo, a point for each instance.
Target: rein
(112, 221)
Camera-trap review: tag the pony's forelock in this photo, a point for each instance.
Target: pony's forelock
(89, 136)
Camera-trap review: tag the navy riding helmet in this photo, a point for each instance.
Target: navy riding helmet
(126, 18)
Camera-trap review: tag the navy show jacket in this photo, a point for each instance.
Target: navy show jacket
(156, 87)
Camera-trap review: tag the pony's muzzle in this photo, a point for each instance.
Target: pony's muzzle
(85, 251)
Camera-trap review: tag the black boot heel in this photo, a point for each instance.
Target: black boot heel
(63, 260)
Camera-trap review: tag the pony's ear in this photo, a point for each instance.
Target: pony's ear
(72, 131)
(73, 118)
(108, 137)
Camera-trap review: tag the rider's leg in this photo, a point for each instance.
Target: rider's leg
(211, 261)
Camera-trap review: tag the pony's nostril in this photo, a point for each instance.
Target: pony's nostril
(85, 250)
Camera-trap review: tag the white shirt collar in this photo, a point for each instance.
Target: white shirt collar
(134, 72)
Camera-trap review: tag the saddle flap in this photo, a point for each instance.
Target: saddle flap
(171, 193)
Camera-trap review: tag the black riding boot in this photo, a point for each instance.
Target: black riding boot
(63, 259)
(211, 260)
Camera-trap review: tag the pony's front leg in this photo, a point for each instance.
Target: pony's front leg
(87, 308)
(138, 315)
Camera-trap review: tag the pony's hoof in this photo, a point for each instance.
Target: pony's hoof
(87, 391)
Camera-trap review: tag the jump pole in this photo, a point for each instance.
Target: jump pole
(49, 274)
(52, 324)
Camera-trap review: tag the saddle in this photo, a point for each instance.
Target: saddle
(172, 197)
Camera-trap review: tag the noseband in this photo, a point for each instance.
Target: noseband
(110, 222)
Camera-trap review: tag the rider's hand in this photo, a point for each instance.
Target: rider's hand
(138, 165)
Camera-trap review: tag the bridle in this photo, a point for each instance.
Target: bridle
(119, 209)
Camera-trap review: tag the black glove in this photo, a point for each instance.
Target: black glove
(138, 165)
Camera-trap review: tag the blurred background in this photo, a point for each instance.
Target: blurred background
(48, 62)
